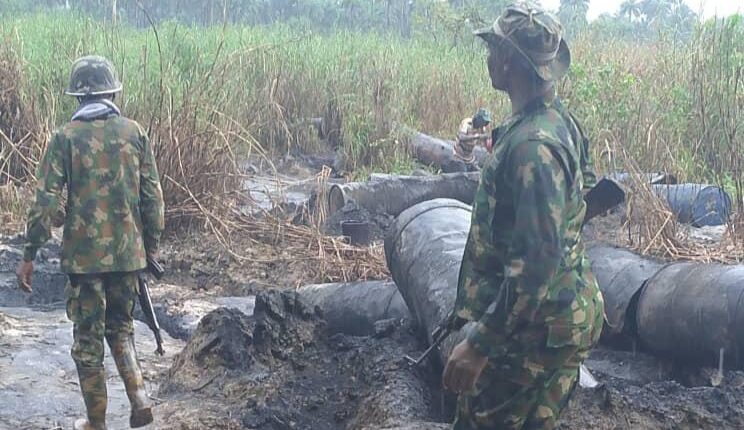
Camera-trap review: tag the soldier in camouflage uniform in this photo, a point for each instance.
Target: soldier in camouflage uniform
(113, 220)
(525, 280)
(472, 131)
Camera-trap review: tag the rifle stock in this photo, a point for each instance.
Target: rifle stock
(604, 196)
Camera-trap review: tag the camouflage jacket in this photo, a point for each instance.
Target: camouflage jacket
(114, 208)
(524, 264)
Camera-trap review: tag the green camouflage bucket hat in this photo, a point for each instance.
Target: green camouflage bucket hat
(481, 118)
(536, 34)
(91, 76)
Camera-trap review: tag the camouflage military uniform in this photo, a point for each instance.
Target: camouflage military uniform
(114, 217)
(114, 205)
(525, 279)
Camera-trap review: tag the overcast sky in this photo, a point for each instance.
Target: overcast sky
(709, 7)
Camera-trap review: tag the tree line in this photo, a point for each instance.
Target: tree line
(451, 18)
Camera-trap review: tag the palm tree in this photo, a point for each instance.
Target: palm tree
(631, 9)
(580, 7)
(656, 11)
(572, 14)
(682, 18)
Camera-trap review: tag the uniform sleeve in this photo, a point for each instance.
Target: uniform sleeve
(585, 155)
(152, 207)
(50, 182)
(587, 166)
(538, 188)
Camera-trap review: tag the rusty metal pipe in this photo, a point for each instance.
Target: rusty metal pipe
(440, 153)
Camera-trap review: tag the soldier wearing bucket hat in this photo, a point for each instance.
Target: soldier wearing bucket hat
(472, 131)
(525, 285)
(536, 35)
(113, 221)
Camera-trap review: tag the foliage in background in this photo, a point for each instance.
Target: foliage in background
(207, 92)
(635, 18)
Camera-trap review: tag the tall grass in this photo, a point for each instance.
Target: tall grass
(669, 104)
(204, 92)
(273, 78)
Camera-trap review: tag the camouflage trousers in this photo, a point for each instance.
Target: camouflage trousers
(529, 386)
(100, 306)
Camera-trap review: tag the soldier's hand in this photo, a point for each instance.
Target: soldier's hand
(463, 368)
(24, 272)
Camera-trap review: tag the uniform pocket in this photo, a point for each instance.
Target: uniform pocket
(72, 296)
(570, 335)
(132, 282)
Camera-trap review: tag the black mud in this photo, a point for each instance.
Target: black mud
(48, 282)
(619, 405)
(280, 370)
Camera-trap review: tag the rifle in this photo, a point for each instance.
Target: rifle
(439, 334)
(605, 195)
(146, 303)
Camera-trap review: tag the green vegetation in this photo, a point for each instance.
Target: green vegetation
(669, 103)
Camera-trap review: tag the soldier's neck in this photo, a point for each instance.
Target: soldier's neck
(524, 93)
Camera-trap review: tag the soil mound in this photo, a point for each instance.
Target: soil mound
(280, 369)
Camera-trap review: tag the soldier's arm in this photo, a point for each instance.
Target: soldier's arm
(50, 182)
(587, 167)
(152, 207)
(538, 187)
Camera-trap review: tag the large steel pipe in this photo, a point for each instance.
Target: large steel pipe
(697, 204)
(424, 250)
(621, 275)
(694, 311)
(354, 308)
(394, 194)
(686, 311)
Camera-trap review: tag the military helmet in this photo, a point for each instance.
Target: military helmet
(534, 33)
(93, 75)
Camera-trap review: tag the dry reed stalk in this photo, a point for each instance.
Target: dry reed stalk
(653, 228)
(279, 241)
(22, 135)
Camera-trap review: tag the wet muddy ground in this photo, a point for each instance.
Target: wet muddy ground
(38, 380)
(243, 352)
(282, 370)
(270, 362)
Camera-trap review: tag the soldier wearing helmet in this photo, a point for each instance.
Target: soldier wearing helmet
(525, 283)
(113, 220)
